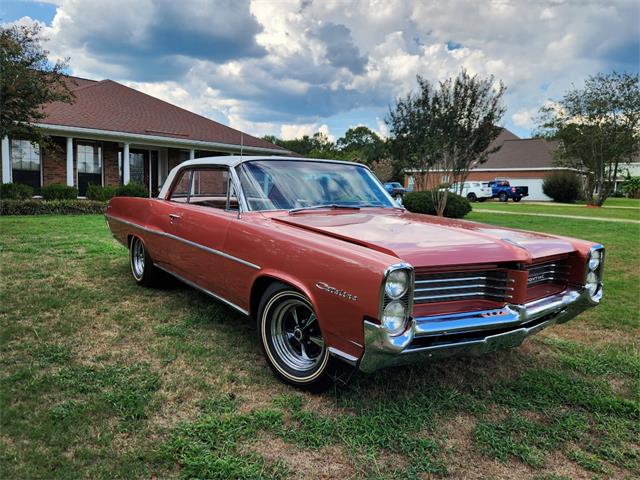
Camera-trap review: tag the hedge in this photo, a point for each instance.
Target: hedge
(59, 191)
(15, 191)
(100, 193)
(422, 202)
(132, 189)
(51, 207)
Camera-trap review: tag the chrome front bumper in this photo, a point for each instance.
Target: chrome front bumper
(470, 333)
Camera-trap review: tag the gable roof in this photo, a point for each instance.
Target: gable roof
(111, 106)
(522, 153)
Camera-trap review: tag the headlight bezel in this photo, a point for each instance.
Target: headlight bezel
(406, 298)
(593, 272)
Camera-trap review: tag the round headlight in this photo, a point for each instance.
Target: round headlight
(592, 283)
(393, 317)
(594, 261)
(397, 284)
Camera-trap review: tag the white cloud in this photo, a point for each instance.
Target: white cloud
(296, 65)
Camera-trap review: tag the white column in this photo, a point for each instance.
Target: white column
(70, 179)
(125, 164)
(192, 154)
(6, 161)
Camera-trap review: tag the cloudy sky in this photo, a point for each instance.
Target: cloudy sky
(293, 67)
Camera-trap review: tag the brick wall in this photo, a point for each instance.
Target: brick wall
(110, 162)
(54, 162)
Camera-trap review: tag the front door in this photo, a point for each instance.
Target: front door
(199, 221)
(138, 160)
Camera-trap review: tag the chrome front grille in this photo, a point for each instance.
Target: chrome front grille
(444, 287)
(548, 272)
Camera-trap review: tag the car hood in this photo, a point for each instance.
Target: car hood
(426, 240)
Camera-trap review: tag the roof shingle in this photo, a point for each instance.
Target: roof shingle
(111, 106)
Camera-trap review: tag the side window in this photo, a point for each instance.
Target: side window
(180, 192)
(207, 187)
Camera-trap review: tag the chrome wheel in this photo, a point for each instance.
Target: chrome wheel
(137, 258)
(296, 335)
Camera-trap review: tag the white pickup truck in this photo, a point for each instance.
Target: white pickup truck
(474, 191)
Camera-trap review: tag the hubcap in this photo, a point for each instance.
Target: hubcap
(137, 259)
(296, 335)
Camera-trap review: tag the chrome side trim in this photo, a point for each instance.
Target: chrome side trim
(188, 242)
(204, 290)
(350, 359)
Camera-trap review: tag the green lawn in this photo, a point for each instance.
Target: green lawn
(103, 379)
(611, 210)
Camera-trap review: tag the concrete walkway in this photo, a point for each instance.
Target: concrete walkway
(576, 217)
(554, 204)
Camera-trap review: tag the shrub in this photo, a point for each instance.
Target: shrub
(422, 202)
(132, 190)
(59, 191)
(15, 191)
(100, 193)
(631, 187)
(50, 207)
(565, 187)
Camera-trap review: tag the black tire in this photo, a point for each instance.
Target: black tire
(503, 197)
(143, 270)
(472, 197)
(517, 199)
(281, 309)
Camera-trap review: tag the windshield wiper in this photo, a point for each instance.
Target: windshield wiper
(318, 207)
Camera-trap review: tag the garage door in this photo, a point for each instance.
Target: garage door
(535, 188)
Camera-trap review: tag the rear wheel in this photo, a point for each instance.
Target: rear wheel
(291, 339)
(472, 197)
(144, 272)
(503, 197)
(517, 199)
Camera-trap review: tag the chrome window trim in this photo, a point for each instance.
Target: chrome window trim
(203, 290)
(188, 242)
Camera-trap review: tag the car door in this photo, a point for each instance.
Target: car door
(198, 224)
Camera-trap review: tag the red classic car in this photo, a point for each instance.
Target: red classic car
(335, 273)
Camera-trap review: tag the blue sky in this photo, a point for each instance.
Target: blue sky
(295, 67)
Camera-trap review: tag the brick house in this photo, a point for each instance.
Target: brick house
(107, 122)
(523, 161)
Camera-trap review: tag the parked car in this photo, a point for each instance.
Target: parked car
(503, 191)
(337, 276)
(395, 189)
(474, 191)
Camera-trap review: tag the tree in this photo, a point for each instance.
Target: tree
(361, 144)
(447, 129)
(28, 80)
(598, 128)
(383, 169)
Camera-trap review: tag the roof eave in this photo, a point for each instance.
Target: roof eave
(156, 140)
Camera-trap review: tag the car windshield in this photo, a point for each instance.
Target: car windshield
(291, 184)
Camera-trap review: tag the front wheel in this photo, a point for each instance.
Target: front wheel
(291, 339)
(503, 197)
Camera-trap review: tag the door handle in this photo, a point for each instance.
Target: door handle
(174, 216)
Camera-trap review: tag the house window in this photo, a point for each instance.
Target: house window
(26, 163)
(89, 166)
(136, 167)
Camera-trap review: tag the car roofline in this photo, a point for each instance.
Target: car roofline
(232, 161)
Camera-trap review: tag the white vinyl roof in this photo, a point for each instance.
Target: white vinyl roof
(233, 161)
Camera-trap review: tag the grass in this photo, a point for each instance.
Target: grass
(102, 379)
(611, 210)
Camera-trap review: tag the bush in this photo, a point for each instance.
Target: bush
(132, 190)
(100, 193)
(50, 207)
(631, 187)
(59, 191)
(565, 187)
(15, 191)
(422, 202)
